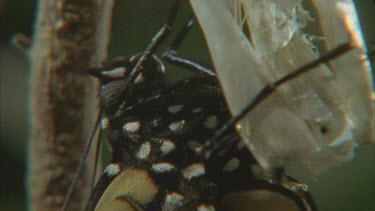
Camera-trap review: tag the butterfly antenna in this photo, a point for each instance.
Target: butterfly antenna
(158, 38)
(96, 163)
(81, 163)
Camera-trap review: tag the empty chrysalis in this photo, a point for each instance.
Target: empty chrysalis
(319, 118)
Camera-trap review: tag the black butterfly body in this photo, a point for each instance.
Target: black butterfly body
(156, 133)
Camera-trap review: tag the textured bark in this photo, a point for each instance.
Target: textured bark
(69, 36)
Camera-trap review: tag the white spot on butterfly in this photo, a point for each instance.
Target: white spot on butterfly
(194, 170)
(155, 122)
(231, 165)
(132, 126)
(162, 167)
(175, 108)
(205, 207)
(167, 146)
(104, 123)
(211, 122)
(176, 126)
(144, 150)
(172, 201)
(112, 169)
(117, 72)
(197, 110)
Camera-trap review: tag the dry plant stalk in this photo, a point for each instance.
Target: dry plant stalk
(69, 36)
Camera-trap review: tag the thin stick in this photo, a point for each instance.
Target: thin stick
(68, 37)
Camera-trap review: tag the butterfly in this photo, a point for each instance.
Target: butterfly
(157, 134)
(159, 138)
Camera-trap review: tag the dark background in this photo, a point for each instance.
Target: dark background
(348, 187)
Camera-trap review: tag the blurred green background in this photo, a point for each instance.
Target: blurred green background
(349, 187)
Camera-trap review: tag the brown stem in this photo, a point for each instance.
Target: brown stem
(69, 36)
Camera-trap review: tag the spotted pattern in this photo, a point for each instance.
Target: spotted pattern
(177, 126)
(231, 165)
(117, 72)
(193, 171)
(167, 147)
(164, 142)
(144, 150)
(205, 207)
(162, 167)
(172, 201)
(197, 110)
(112, 169)
(155, 122)
(132, 126)
(175, 108)
(104, 123)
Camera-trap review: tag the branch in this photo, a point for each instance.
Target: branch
(69, 37)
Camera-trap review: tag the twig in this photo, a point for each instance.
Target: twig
(69, 36)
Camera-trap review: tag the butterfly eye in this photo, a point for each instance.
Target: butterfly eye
(109, 95)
